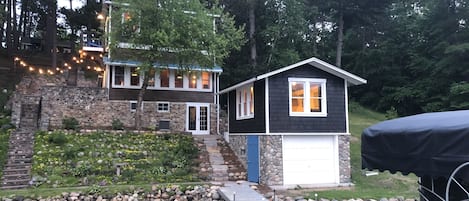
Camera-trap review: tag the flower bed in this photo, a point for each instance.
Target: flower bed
(100, 158)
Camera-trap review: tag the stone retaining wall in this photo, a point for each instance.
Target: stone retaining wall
(92, 109)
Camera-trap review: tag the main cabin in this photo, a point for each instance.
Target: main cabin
(290, 126)
(177, 98)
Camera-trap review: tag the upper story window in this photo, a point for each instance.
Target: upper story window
(205, 80)
(163, 79)
(134, 77)
(307, 97)
(179, 79)
(119, 76)
(131, 23)
(151, 79)
(192, 80)
(245, 102)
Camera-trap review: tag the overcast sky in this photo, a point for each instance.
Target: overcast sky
(66, 3)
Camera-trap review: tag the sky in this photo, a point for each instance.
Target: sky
(66, 3)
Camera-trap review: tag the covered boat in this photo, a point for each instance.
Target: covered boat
(430, 145)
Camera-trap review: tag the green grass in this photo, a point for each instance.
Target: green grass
(376, 187)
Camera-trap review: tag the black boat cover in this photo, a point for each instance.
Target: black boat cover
(430, 144)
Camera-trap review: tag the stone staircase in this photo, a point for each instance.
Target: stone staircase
(224, 165)
(17, 170)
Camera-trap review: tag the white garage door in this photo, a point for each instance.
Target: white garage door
(309, 160)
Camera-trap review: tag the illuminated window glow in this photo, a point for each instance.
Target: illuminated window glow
(307, 97)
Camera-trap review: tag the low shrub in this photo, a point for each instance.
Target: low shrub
(70, 123)
(117, 124)
(57, 138)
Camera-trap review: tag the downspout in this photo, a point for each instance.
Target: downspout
(217, 78)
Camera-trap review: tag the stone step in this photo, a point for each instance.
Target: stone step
(19, 160)
(16, 171)
(14, 187)
(17, 166)
(15, 182)
(14, 176)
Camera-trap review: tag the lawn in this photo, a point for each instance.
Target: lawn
(376, 187)
(71, 159)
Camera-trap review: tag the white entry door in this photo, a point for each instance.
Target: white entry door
(198, 118)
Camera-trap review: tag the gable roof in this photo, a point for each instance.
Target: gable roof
(313, 62)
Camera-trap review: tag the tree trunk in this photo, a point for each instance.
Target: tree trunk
(16, 33)
(141, 93)
(252, 31)
(22, 24)
(340, 38)
(9, 28)
(2, 21)
(51, 42)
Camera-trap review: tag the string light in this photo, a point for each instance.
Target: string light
(49, 71)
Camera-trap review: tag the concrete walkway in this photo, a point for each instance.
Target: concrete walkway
(233, 191)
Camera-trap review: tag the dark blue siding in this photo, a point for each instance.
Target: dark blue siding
(256, 124)
(281, 121)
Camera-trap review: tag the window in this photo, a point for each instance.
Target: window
(134, 77)
(119, 75)
(162, 107)
(307, 97)
(178, 79)
(151, 78)
(193, 80)
(205, 80)
(133, 106)
(164, 78)
(245, 102)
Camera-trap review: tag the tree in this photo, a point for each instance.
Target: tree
(172, 31)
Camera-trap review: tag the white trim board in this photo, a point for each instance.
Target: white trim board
(305, 134)
(314, 62)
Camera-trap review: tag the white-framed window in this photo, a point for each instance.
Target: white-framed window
(133, 106)
(245, 102)
(162, 79)
(126, 77)
(307, 97)
(162, 106)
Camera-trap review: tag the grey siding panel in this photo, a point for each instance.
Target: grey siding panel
(281, 121)
(256, 124)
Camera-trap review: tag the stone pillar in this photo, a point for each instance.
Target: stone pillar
(271, 160)
(344, 159)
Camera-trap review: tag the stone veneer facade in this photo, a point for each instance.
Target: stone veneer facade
(91, 107)
(271, 158)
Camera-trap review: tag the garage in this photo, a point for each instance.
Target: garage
(310, 160)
